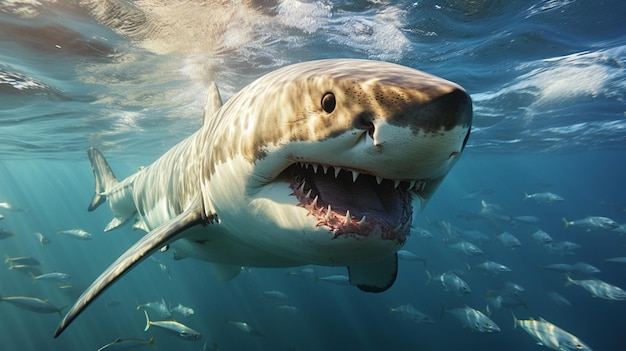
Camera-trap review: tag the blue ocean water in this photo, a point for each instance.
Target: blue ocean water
(130, 78)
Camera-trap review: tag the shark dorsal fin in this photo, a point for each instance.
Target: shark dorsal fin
(213, 102)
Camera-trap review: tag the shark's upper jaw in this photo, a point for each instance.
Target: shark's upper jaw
(351, 202)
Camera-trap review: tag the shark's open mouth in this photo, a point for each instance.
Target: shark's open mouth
(351, 202)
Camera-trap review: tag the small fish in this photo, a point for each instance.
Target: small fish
(11, 207)
(76, 233)
(32, 304)
(421, 233)
(408, 312)
(159, 307)
(24, 260)
(287, 308)
(25, 269)
(305, 273)
(275, 295)
(616, 259)
(509, 240)
(183, 310)
(545, 197)
(5, 234)
(491, 267)
(599, 288)
(512, 289)
(409, 256)
(541, 237)
(466, 248)
(525, 220)
(558, 299)
(592, 223)
(450, 282)
(562, 247)
(245, 327)
(42, 239)
(503, 301)
(338, 279)
(53, 276)
(585, 268)
(559, 267)
(173, 328)
(475, 236)
(473, 319)
(126, 344)
(549, 335)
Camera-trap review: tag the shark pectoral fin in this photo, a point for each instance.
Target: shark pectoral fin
(115, 222)
(225, 272)
(103, 176)
(151, 242)
(374, 277)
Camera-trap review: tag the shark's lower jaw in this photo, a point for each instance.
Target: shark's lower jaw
(353, 203)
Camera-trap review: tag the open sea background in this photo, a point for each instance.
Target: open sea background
(130, 77)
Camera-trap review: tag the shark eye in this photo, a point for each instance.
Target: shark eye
(328, 102)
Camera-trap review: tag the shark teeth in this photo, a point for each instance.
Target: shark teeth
(415, 185)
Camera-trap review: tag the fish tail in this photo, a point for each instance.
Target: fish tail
(103, 175)
(566, 222)
(442, 311)
(430, 277)
(8, 259)
(147, 321)
(569, 281)
(151, 341)
(515, 320)
(469, 268)
(425, 262)
(526, 196)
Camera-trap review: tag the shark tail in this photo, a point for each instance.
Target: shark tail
(147, 321)
(104, 177)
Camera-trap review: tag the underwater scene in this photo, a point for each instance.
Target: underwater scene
(515, 242)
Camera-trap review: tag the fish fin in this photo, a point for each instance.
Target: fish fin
(569, 281)
(147, 321)
(103, 175)
(213, 103)
(567, 223)
(515, 320)
(430, 277)
(115, 222)
(141, 225)
(224, 272)
(526, 196)
(148, 244)
(374, 277)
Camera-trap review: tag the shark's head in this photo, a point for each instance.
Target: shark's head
(333, 149)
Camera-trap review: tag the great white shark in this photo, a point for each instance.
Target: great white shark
(321, 162)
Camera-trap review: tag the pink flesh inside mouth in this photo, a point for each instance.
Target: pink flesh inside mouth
(352, 203)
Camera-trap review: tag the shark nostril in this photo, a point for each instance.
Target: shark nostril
(364, 122)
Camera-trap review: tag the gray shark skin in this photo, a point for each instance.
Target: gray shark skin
(321, 162)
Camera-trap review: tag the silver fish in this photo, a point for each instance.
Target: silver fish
(173, 328)
(32, 304)
(473, 319)
(76, 233)
(551, 336)
(126, 344)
